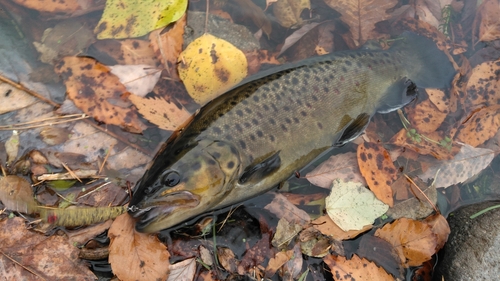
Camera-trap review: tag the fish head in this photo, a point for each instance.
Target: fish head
(201, 176)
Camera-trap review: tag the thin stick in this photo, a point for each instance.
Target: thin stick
(96, 189)
(71, 172)
(425, 195)
(25, 267)
(21, 127)
(23, 88)
(206, 16)
(105, 159)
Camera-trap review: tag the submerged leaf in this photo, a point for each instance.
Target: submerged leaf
(355, 269)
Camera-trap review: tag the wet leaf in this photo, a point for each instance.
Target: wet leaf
(168, 46)
(342, 166)
(16, 194)
(285, 232)
(282, 208)
(483, 125)
(287, 12)
(98, 93)
(362, 15)
(255, 255)
(351, 206)
(315, 244)
(328, 227)
(377, 168)
(134, 255)
(279, 259)
(412, 139)
(128, 51)
(227, 259)
(209, 66)
(50, 257)
(425, 117)
(167, 115)
(259, 18)
(415, 207)
(467, 163)
(489, 27)
(483, 86)
(137, 79)
(183, 271)
(440, 227)
(134, 18)
(355, 269)
(14, 99)
(413, 240)
(292, 268)
(12, 147)
(64, 7)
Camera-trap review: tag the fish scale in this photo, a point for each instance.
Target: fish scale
(256, 135)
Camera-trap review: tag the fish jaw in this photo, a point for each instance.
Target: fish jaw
(193, 184)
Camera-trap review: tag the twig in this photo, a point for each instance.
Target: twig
(94, 190)
(425, 195)
(33, 93)
(71, 172)
(44, 122)
(105, 159)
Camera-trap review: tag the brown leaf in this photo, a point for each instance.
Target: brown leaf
(51, 258)
(483, 86)
(287, 12)
(255, 255)
(66, 7)
(425, 117)
(342, 166)
(440, 227)
(134, 255)
(168, 45)
(414, 240)
(98, 93)
(182, 271)
(377, 168)
(362, 15)
(227, 259)
(355, 269)
(128, 51)
(483, 125)
(326, 225)
(423, 146)
(259, 18)
(489, 28)
(282, 208)
(16, 194)
(277, 261)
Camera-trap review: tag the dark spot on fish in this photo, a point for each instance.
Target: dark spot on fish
(220, 144)
(252, 137)
(318, 79)
(248, 110)
(196, 166)
(303, 113)
(314, 97)
(256, 98)
(274, 107)
(260, 134)
(239, 128)
(272, 121)
(244, 102)
(255, 122)
(230, 164)
(211, 162)
(352, 56)
(287, 120)
(295, 81)
(299, 102)
(265, 107)
(239, 112)
(303, 89)
(296, 120)
(326, 90)
(228, 137)
(359, 64)
(306, 69)
(306, 76)
(386, 54)
(284, 128)
(286, 108)
(348, 62)
(243, 144)
(247, 125)
(233, 150)
(320, 125)
(226, 126)
(217, 130)
(344, 69)
(216, 155)
(271, 138)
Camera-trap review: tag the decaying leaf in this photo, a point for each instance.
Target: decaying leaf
(227, 259)
(167, 115)
(467, 163)
(413, 240)
(415, 207)
(314, 244)
(14, 99)
(282, 208)
(97, 92)
(377, 168)
(483, 87)
(209, 66)
(17, 195)
(362, 15)
(412, 139)
(287, 12)
(355, 269)
(128, 51)
(277, 261)
(489, 27)
(342, 166)
(134, 18)
(12, 147)
(327, 226)
(137, 79)
(182, 271)
(351, 206)
(47, 257)
(134, 255)
(66, 7)
(483, 125)
(425, 117)
(255, 255)
(440, 227)
(258, 16)
(285, 232)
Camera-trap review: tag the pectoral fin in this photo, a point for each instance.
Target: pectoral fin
(261, 169)
(353, 129)
(398, 95)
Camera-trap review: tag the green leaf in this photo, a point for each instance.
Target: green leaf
(134, 18)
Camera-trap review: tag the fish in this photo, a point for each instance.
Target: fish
(256, 135)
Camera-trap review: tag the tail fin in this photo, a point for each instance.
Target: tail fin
(427, 66)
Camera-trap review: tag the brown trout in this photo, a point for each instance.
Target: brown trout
(256, 135)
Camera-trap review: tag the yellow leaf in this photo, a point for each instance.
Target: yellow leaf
(288, 12)
(134, 18)
(210, 66)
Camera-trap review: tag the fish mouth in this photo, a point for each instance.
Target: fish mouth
(162, 207)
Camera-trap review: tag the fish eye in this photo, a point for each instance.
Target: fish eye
(171, 178)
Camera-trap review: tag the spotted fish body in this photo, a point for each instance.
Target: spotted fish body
(256, 135)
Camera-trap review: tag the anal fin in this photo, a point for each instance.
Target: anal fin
(353, 130)
(261, 169)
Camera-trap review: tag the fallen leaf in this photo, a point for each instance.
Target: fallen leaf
(14, 99)
(285, 232)
(255, 255)
(227, 259)
(292, 268)
(483, 86)
(287, 12)
(135, 18)
(377, 168)
(355, 269)
(168, 46)
(415, 207)
(209, 66)
(167, 115)
(489, 27)
(282, 208)
(98, 93)
(66, 7)
(352, 206)
(425, 117)
(137, 79)
(483, 125)
(296, 36)
(404, 139)
(327, 226)
(382, 253)
(413, 240)
(16, 194)
(440, 227)
(279, 259)
(12, 147)
(259, 18)
(127, 51)
(51, 258)
(362, 15)
(342, 166)
(467, 163)
(314, 244)
(439, 99)
(134, 255)
(183, 271)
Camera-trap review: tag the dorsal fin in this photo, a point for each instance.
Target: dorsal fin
(261, 169)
